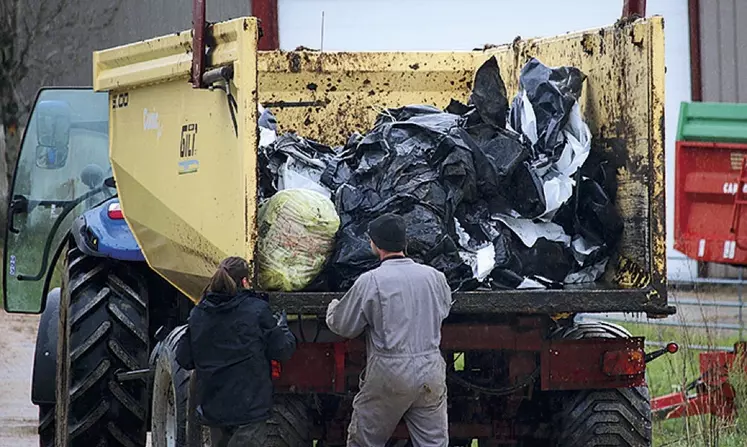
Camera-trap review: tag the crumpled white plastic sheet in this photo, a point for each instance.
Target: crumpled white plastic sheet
(529, 231)
(578, 143)
(582, 249)
(558, 181)
(482, 260)
(294, 174)
(587, 274)
(266, 135)
(301, 172)
(529, 283)
(558, 189)
(528, 119)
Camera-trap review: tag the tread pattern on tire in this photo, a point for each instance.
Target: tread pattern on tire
(609, 417)
(615, 417)
(601, 329)
(46, 425)
(108, 320)
(290, 423)
(168, 372)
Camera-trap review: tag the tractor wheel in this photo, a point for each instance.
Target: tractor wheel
(610, 417)
(170, 395)
(46, 425)
(105, 331)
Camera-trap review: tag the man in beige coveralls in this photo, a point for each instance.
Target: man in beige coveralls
(400, 306)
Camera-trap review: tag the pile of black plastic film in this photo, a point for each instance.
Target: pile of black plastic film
(494, 197)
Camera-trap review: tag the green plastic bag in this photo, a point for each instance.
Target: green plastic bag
(297, 230)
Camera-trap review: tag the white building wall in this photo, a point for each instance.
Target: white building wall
(368, 25)
(371, 25)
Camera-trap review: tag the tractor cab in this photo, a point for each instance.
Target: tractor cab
(60, 173)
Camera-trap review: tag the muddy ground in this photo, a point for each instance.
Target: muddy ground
(18, 416)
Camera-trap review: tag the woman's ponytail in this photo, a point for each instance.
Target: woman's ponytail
(228, 278)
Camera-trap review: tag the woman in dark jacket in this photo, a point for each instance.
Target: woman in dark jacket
(231, 339)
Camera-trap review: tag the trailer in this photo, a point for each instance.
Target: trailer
(136, 189)
(711, 178)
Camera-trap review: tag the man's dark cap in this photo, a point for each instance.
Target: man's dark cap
(389, 232)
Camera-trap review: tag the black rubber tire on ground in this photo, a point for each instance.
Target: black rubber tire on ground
(288, 426)
(169, 413)
(46, 425)
(290, 423)
(108, 327)
(612, 417)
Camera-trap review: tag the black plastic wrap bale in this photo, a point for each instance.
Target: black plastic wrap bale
(416, 162)
(429, 240)
(545, 259)
(552, 93)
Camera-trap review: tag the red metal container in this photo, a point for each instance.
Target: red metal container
(710, 221)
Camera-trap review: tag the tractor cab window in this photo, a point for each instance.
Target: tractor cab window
(61, 170)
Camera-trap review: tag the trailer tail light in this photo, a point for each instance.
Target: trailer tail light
(276, 369)
(115, 211)
(625, 362)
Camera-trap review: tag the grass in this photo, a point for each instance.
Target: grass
(671, 373)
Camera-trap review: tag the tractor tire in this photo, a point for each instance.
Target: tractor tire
(46, 425)
(170, 395)
(105, 332)
(608, 417)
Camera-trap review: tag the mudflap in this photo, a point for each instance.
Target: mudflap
(45, 355)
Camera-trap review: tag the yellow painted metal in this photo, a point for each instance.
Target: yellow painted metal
(622, 101)
(186, 182)
(187, 222)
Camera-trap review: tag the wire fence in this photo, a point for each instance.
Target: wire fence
(740, 287)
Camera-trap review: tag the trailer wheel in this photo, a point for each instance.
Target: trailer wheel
(170, 395)
(288, 426)
(609, 417)
(105, 332)
(290, 423)
(600, 329)
(616, 417)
